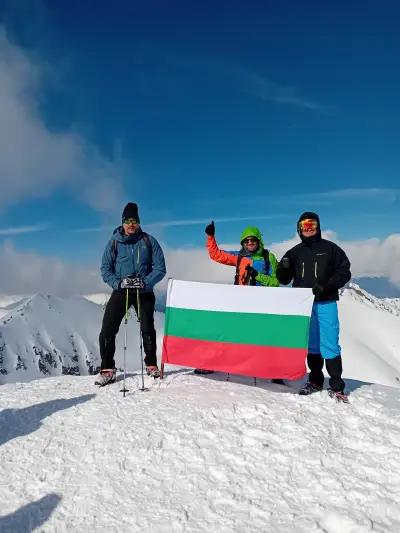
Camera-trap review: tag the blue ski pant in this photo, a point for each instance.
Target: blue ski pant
(323, 337)
(323, 344)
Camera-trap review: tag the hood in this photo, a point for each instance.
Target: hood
(251, 231)
(317, 236)
(118, 235)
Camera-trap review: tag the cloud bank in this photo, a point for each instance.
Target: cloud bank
(26, 273)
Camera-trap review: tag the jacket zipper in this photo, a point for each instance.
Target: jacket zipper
(302, 270)
(315, 269)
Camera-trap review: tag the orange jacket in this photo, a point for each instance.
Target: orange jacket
(226, 258)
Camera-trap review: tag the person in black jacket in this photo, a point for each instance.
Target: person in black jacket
(323, 266)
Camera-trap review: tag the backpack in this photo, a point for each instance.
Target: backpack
(240, 257)
(145, 236)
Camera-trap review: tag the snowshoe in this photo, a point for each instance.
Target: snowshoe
(153, 371)
(310, 388)
(339, 396)
(106, 377)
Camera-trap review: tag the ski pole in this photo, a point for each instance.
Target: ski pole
(140, 336)
(124, 389)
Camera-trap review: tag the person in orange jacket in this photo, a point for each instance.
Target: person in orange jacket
(255, 265)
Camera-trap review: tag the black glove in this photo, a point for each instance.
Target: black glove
(133, 283)
(210, 229)
(318, 290)
(252, 272)
(285, 262)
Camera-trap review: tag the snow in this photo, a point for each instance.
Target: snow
(197, 454)
(193, 453)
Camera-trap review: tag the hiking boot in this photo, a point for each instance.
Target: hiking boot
(202, 371)
(106, 376)
(339, 396)
(310, 388)
(153, 371)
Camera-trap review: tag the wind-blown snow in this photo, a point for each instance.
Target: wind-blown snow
(197, 454)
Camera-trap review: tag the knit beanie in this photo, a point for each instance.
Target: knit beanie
(131, 211)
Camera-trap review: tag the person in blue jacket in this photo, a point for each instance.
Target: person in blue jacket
(133, 262)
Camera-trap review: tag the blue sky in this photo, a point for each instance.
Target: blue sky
(241, 112)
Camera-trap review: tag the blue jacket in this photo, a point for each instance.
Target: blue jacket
(132, 259)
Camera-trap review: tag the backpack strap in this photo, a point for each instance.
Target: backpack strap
(266, 260)
(240, 257)
(147, 242)
(114, 252)
(237, 274)
(145, 236)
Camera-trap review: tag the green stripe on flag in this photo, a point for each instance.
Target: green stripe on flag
(290, 331)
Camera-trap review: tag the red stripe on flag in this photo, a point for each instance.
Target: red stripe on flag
(243, 359)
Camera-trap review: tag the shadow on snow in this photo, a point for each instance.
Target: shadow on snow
(30, 516)
(18, 422)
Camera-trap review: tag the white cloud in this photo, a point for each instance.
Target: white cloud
(268, 90)
(35, 160)
(369, 258)
(23, 273)
(17, 230)
(28, 273)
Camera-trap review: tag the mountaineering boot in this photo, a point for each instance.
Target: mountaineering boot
(309, 388)
(339, 396)
(153, 371)
(106, 376)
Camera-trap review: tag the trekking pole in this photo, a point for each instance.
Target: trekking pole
(124, 389)
(140, 336)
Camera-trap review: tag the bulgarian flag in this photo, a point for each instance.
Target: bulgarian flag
(252, 331)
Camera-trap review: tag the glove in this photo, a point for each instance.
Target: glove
(285, 263)
(210, 229)
(318, 290)
(133, 283)
(252, 272)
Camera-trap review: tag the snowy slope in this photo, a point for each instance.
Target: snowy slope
(43, 336)
(197, 454)
(370, 337)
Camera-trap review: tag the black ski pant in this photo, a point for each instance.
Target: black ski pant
(113, 316)
(333, 367)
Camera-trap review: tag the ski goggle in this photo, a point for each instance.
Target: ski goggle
(130, 221)
(308, 224)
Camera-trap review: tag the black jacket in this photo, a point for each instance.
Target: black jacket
(321, 261)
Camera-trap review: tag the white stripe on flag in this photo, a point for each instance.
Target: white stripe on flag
(239, 299)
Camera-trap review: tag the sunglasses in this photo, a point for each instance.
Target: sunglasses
(308, 224)
(250, 240)
(130, 221)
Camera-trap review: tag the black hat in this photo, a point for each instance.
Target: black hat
(130, 211)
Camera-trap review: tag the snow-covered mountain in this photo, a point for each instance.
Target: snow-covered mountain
(43, 336)
(370, 336)
(49, 336)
